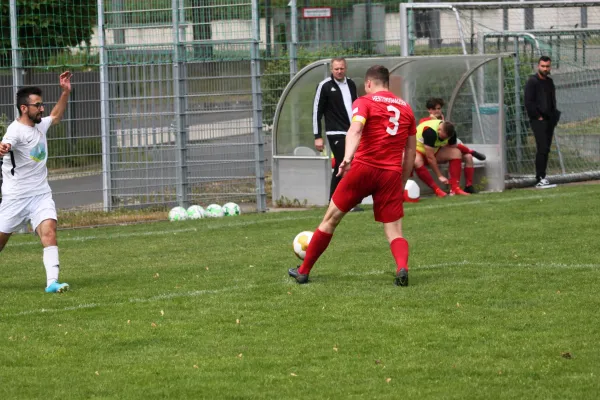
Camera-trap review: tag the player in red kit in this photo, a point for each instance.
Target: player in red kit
(383, 129)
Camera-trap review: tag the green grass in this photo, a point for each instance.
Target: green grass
(587, 127)
(503, 286)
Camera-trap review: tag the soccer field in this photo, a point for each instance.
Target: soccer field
(503, 303)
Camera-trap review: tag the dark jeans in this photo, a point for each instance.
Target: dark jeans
(337, 144)
(543, 131)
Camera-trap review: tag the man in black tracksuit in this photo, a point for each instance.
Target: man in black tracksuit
(333, 99)
(540, 103)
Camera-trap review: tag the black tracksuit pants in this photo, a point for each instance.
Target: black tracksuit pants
(337, 144)
(543, 131)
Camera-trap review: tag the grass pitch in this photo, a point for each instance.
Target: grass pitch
(502, 303)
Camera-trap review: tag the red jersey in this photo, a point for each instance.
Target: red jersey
(388, 122)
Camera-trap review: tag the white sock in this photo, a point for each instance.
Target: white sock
(51, 264)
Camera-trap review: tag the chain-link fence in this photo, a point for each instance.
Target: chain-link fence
(567, 31)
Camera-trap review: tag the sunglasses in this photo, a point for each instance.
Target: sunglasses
(38, 105)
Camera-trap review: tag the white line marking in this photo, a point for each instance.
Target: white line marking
(195, 293)
(412, 210)
(163, 232)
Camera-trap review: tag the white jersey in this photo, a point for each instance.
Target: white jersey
(24, 173)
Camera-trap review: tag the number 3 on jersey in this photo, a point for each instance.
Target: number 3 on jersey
(393, 120)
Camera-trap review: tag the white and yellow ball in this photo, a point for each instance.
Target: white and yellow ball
(301, 242)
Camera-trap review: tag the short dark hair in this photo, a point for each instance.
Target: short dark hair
(24, 93)
(448, 128)
(544, 59)
(378, 73)
(434, 101)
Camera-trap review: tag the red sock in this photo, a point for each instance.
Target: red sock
(319, 242)
(425, 176)
(454, 172)
(399, 248)
(464, 149)
(469, 172)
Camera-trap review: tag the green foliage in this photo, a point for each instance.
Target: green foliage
(4, 122)
(46, 28)
(276, 73)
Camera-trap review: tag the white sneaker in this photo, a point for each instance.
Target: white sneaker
(544, 184)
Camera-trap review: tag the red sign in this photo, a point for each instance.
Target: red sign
(316, 12)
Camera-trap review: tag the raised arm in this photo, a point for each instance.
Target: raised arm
(61, 105)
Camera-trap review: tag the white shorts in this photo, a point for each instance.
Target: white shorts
(16, 212)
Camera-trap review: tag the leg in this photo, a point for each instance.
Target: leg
(425, 176)
(43, 220)
(453, 156)
(388, 208)
(4, 239)
(542, 143)
(337, 144)
(469, 171)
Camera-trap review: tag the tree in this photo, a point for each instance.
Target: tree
(46, 28)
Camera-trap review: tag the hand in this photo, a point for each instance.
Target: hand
(319, 144)
(443, 179)
(4, 148)
(344, 167)
(540, 118)
(65, 81)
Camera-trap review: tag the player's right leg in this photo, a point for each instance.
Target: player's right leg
(4, 239)
(356, 185)
(469, 171)
(425, 176)
(12, 216)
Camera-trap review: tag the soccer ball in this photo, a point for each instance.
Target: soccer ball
(231, 209)
(177, 214)
(301, 242)
(195, 212)
(214, 211)
(412, 192)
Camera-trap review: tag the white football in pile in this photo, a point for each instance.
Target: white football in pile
(301, 242)
(231, 209)
(214, 211)
(195, 212)
(177, 214)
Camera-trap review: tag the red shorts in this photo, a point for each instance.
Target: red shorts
(384, 185)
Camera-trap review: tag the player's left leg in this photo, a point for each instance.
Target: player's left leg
(453, 156)
(388, 208)
(43, 221)
(469, 171)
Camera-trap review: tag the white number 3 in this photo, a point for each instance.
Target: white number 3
(394, 120)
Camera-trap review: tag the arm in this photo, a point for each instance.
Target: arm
(352, 141)
(408, 163)
(4, 148)
(318, 111)
(530, 100)
(432, 161)
(61, 105)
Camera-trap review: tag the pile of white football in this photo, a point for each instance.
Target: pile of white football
(198, 212)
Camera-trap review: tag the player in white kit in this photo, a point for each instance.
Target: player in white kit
(26, 194)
